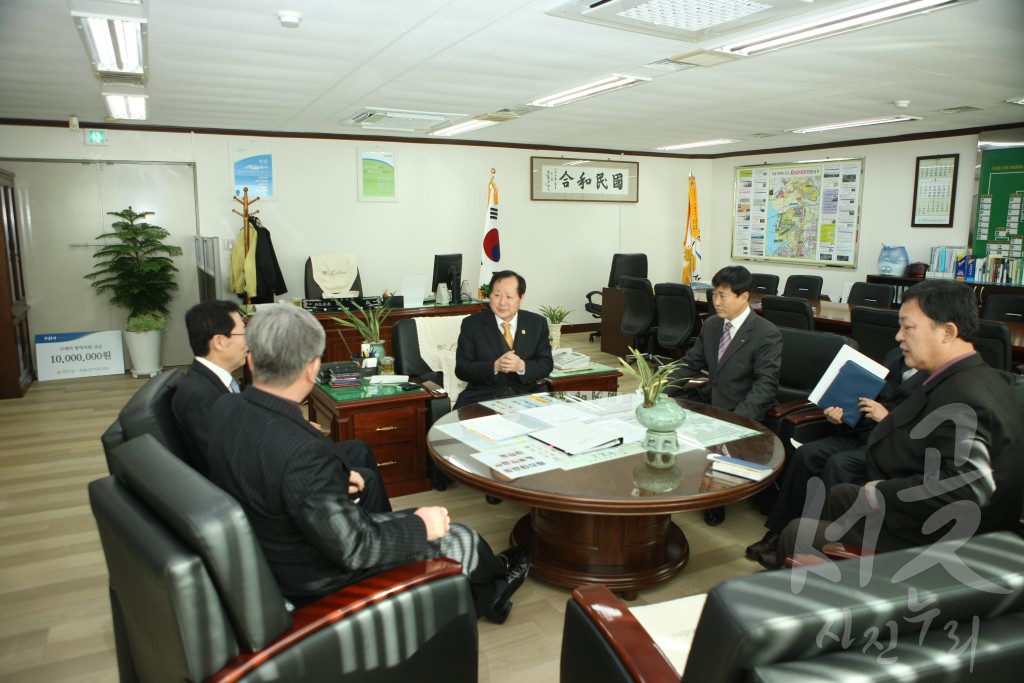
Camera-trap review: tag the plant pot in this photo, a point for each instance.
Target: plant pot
(555, 329)
(372, 349)
(144, 349)
(661, 420)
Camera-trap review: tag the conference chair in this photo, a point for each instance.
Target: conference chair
(787, 311)
(639, 315)
(765, 283)
(1006, 307)
(874, 330)
(837, 625)
(872, 294)
(314, 291)
(193, 598)
(994, 345)
(677, 315)
(632, 265)
(803, 286)
(148, 411)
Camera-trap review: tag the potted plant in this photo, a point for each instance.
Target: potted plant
(137, 270)
(659, 413)
(555, 315)
(367, 324)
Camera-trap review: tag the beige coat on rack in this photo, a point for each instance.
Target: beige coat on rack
(242, 275)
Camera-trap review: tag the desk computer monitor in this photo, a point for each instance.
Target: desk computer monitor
(448, 270)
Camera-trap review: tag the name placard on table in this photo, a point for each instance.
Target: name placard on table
(66, 355)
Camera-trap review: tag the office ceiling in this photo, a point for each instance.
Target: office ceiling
(229, 64)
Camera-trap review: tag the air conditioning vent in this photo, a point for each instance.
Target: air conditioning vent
(373, 118)
(111, 78)
(960, 110)
(669, 65)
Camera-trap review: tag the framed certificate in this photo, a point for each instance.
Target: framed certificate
(935, 191)
(584, 180)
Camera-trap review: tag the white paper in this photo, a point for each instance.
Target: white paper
(495, 427)
(557, 413)
(845, 353)
(524, 458)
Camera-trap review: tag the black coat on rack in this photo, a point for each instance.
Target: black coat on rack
(269, 280)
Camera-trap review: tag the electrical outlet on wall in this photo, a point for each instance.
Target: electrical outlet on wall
(229, 245)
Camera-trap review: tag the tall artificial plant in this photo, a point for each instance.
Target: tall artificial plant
(136, 269)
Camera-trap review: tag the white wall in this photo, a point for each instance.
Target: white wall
(886, 207)
(562, 248)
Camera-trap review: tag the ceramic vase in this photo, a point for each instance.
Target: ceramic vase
(555, 331)
(661, 420)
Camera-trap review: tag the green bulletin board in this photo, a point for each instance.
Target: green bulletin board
(998, 223)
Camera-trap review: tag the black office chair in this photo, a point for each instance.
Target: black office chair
(639, 314)
(677, 315)
(314, 291)
(871, 294)
(803, 286)
(765, 283)
(874, 330)
(787, 311)
(1006, 307)
(994, 345)
(632, 265)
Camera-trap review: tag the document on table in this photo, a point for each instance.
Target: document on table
(575, 438)
(495, 427)
(521, 459)
(558, 413)
(704, 431)
(515, 404)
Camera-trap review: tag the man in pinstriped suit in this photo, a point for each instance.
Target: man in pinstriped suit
(286, 476)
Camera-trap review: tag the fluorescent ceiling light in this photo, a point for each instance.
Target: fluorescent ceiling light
(114, 45)
(580, 92)
(130, 107)
(854, 124)
(832, 24)
(463, 127)
(688, 145)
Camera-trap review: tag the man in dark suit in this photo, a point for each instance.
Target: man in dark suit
(836, 459)
(504, 351)
(294, 489)
(216, 334)
(946, 462)
(741, 353)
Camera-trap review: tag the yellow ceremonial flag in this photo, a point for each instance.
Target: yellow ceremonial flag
(691, 240)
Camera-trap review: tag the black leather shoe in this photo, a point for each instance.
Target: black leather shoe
(768, 543)
(769, 560)
(714, 516)
(516, 563)
(491, 500)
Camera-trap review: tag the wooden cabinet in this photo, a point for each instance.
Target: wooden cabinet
(16, 369)
(982, 290)
(393, 422)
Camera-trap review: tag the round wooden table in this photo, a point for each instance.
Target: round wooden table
(608, 523)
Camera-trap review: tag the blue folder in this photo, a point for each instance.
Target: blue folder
(851, 382)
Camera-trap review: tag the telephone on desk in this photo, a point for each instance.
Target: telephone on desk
(567, 359)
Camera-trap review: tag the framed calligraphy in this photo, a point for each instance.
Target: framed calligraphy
(584, 180)
(935, 191)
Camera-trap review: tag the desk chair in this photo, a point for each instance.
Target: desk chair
(677, 315)
(632, 265)
(994, 344)
(871, 294)
(754, 628)
(193, 598)
(1006, 307)
(639, 315)
(314, 291)
(764, 283)
(803, 286)
(788, 311)
(874, 330)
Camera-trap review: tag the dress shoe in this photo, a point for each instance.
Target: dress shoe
(768, 560)
(516, 564)
(714, 516)
(768, 543)
(491, 500)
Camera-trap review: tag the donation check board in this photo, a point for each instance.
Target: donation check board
(65, 355)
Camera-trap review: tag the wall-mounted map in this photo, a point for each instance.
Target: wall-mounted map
(802, 213)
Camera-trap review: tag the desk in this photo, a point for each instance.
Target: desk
(336, 343)
(392, 421)
(595, 378)
(592, 524)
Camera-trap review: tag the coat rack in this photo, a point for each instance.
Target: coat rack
(245, 214)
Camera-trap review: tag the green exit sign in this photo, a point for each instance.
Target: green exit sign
(95, 137)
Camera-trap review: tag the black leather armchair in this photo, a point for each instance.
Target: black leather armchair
(874, 330)
(761, 628)
(803, 286)
(193, 598)
(788, 311)
(405, 345)
(639, 314)
(148, 411)
(994, 345)
(677, 315)
(765, 283)
(634, 265)
(872, 294)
